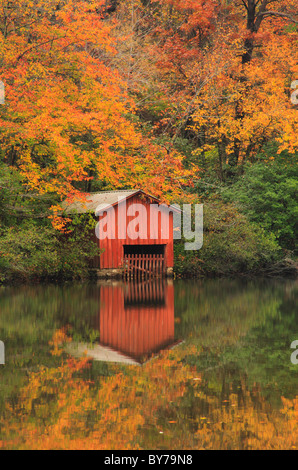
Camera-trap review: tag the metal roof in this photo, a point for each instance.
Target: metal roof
(93, 200)
(101, 201)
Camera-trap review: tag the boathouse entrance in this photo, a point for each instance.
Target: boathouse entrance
(144, 261)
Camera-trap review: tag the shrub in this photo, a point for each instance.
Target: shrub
(232, 244)
(39, 252)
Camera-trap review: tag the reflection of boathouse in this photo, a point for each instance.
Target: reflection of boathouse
(137, 319)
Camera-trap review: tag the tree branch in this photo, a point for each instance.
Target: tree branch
(246, 6)
(278, 13)
(37, 46)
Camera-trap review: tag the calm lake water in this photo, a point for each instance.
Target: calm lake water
(234, 335)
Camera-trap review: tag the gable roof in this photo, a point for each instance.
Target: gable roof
(104, 199)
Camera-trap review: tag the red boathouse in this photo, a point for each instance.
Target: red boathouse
(134, 233)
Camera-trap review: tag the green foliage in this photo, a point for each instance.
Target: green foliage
(267, 194)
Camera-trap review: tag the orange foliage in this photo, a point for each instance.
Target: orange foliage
(68, 113)
(223, 72)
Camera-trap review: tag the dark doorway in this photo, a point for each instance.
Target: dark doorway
(144, 249)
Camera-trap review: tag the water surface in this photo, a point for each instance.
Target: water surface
(233, 337)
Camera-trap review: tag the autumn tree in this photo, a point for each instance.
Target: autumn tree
(68, 117)
(223, 82)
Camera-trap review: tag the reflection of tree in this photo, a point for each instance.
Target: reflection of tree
(221, 311)
(29, 316)
(162, 405)
(245, 332)
(264, 354)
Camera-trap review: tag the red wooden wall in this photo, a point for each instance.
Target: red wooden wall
(113, 251)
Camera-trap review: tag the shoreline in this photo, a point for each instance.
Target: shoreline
(265, 274)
